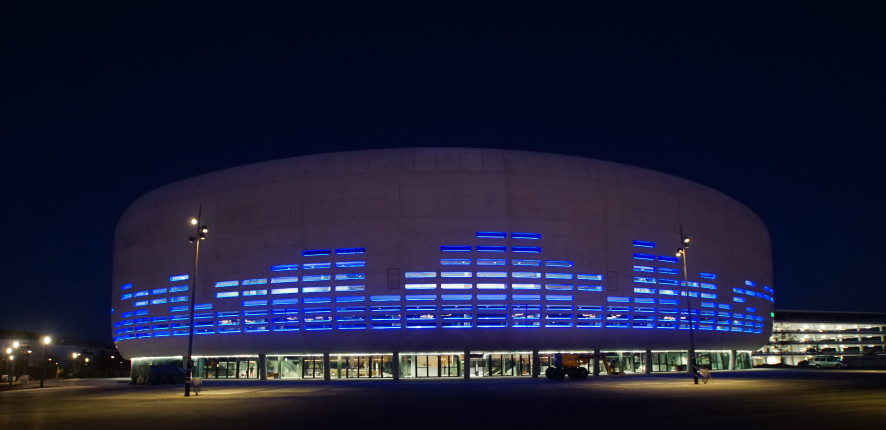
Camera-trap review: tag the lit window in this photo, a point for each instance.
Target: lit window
(456, 286)
(644, 244)
(349, 276)
(492, 296)
(247, 303)
(491, 286)
(347, 251)
(526, 262)
(350, 299)
(558, 263)
(158, 301)
(456, 261)
(709, 286)
(649, 257)
(527, 275)
(455, 248)
(456, 297)
(141, 293)
(526, 249)
(672, 302)
(284, 267)
(178, 309)
(708, 296)
(665, 259)
(644, 290)
(531, 236)
(558, 297)
(350, 288)
(642, 280)
(491, 235)
(593, 288)
(525, 297)
(589, 277)
(315, 278)
(316, 252)
(255, 281)
(618, 299)
(284, 302)
(526, 286)
(738, 299)
(284, 280)
(492, 274)
(668, 282)
(227, 294)
(346, 264)
(668, 292)
(750, 283)
(421, 286)
(389, 298)
(455, 274)
(178, 289)
(312, 266)
(141, 303)
(707, 275)
(307, 300)
(178, 278)
(485, 248)
(126, 297)
(316, 289)
(667, 271)
(178, 299)
(646, 269)
(558, 275)
(491, 262)
(224, 284)
(125, 286)
(410, 275)
(559, 287)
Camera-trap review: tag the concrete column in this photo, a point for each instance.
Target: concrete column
(467, 365)
(327, 372)
(732, 355)
(690, 360)
(536, 364)
(596, 362)
(648, 359)
(338, 367)
(263, 367)
(395, 366)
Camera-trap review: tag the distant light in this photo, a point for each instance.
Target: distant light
(194, 221)
(686, 239)
(87, 360)
(205, 230)
(9, 350)
(74, 355)
(112, 357)
(11, 357)
(15, 344)
(46, 340)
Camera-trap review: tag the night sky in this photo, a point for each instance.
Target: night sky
(778, 105)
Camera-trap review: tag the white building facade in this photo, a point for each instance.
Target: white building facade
(438, 262)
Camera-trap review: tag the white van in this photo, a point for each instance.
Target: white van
(824, 362)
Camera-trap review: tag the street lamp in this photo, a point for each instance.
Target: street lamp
(46, 341)
(8, 365)
(11, 364)
(681, 252)
(201, 235)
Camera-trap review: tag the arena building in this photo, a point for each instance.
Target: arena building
(438, 262)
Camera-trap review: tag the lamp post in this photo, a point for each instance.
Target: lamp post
(201, 235)
(74, 356)
(681, 252)
(46, 341)
(11, 365)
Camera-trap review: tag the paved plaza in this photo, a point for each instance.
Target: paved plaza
(757, 399)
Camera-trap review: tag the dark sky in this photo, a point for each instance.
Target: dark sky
(779, 105)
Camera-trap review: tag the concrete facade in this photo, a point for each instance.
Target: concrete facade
(401, 206)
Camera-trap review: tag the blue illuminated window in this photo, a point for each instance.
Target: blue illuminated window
(618, 299)
(350, 299)
(178, 288)
(750, 283)
(315, 278)
(738, 299)
(526, 249)
(458, 307)
(644, 244)
(750, 293)
(411, 275)
(346, 264)
(255, 303)
(526, 275)
(525, 297)
(724, 306)
(178, 308)
(284, 267)
(531, 236)
(285, 311)
(492, 274)
(312, 266)
(455, 274)
(349, 276)
(223, 284)
(709, 286)
(415, 297)
(178, 299)
(347, 251)
(708, 275)
(307, 300)
(491, 262)
(553, 297)
(592, 288)
(284, 290)
(142, 312)
(456, 296)
(126, 296)
(492, 296)
(768, 290)
(649, 257)
(668, 282)
(589, 277)
(284, 280)
(667, 301)
(558, 275)
(526, 286)
(668, 292)
(141, 303)
(643, 280)
(690, 283)
(125, 286)
(708, 296)
(316, 252)
(126, 314)
(752, 310)
(227, 294)
(738, 290)
(558, 263)
(456, 286)
(558, 287)
(484, 248)
(526, 262)
(667, 271)
(456, 261)
(255, 293)
(492, 235)
(644, 290)
(323, 289)
(668, 259)
(487, 286)
(455, 248)
(255, 313)
(421, 286)
(385, 298)
(140, 293)
(646, 269)
(178, 278)
(203, 306)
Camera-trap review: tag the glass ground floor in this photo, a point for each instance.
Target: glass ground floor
(421, 365)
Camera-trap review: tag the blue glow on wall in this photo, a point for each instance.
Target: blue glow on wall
(492, 235)
(316, 252)
(644, 244)
(349, 251)
(455, 248)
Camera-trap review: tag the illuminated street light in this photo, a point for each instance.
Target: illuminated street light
(201, 234)
(46, 341)
(681, 252)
